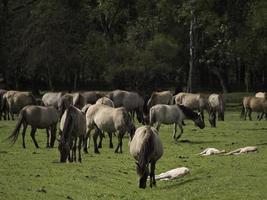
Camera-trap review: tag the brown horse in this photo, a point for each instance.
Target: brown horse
(38, 117)
(254, 104)
(146, 148)
(14, 101)
(164, 97)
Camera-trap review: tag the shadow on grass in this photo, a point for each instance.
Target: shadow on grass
(253, 129)
(198, 142)
(180, 182)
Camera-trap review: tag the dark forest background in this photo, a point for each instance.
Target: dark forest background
(134, 44)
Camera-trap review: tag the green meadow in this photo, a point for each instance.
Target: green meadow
(37, 174)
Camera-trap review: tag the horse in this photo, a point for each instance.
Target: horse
(146, 148)
(194, 101)
(217, 104)
(164, 97)
(174, 114)
(38, 117)
(261, 95)
(255, 104)
(2, 92)
(103, 118)
(91, 97)
(72, 126)
(105, 101)
(132, 101)
(52, 98)
(14, 101)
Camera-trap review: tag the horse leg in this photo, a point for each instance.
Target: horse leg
(47, 139)
(174, 131)
(33, 137)
(74, 150)
(152, 174)
(85, 140)
(101, 138)
(110, 140)
(158, 126)
(95, 141)
(261, 116)
(79, 148)
(119, 146)
(23, 134)
(202, 114)
(71, 151)
(182, 130)
(249, 114)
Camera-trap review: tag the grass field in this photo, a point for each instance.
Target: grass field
(36, 173)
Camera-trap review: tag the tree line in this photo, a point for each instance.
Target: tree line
(143, 45)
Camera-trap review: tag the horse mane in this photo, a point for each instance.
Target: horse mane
(146, 149)
(67, 124)
(188, 112)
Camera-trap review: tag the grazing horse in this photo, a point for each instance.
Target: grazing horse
(146, 148)
(174, 114)
(52, 98)
(132, 101)
(164, 97)
(37, 117)
(72, 126)
(103, 118)
(195, 102)
(105, 101)
(2, 92)
(14, 101)
(217, 104)
(254, 104)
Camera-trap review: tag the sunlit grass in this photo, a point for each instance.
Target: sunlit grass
(36, 173)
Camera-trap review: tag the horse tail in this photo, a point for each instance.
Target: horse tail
(14, 136)
(147, 148)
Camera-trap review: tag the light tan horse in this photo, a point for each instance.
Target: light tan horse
(103, 118)
(174, 114)
(14, 101)
(194, 101)
(164, 97)
(105, 101)
(217, 105)
(146, 148)
(52, 98)
(261, 95)
(38, 117)
(254, 104)
(131, 101)
(72, 127)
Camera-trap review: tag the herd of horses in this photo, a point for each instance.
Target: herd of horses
(113, 113)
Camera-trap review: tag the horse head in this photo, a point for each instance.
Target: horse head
(64, 149)
(142, 171)
(199, 121)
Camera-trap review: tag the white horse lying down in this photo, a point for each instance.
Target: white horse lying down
(172, 174)
(243, 150)
(211, 151)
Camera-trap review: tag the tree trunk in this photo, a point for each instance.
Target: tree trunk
(49, 77)
(217, 72)
(190, 84)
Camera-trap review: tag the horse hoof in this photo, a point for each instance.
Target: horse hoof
(111, 146)
(100, 146)
(97, 152)
(80, 160)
